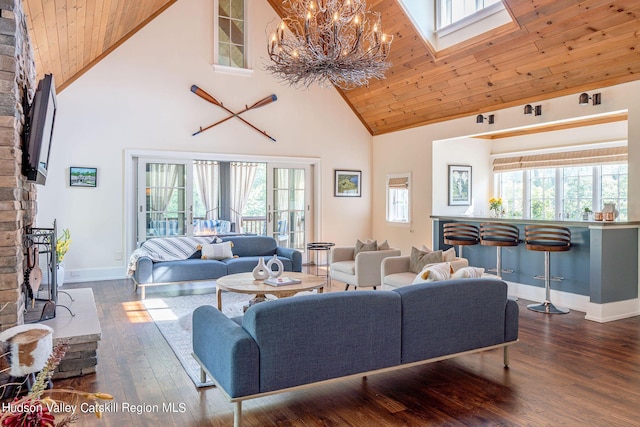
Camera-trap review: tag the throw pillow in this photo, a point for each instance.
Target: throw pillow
(384, 246)
(365, 247)
(449, 255)
(419, 259)
(468, 273)
(217, 250)
(434, 273)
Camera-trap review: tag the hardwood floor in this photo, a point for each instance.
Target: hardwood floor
(564, 371)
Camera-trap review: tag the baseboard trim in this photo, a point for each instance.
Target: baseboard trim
(611, 311)
(601, 313)
(94, 275)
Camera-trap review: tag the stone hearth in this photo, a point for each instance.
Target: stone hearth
(82, 332)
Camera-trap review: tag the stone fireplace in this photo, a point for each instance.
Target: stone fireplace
(17, 196)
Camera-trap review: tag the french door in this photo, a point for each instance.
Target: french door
(164, 198)
(288, 202)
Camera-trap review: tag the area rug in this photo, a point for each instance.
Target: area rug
(172, 315)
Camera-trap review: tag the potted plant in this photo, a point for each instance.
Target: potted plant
(586, 214)
(62, 247)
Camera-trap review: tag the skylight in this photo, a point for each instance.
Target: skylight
(444, 23)
(452, 11)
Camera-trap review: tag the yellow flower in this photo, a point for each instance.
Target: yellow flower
(495, 203)
(62, 244)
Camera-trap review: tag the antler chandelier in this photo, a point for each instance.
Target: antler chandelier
(329, 42)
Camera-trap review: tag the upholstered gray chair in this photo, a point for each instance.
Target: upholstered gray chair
(361, 270)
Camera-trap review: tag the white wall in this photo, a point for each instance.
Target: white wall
(138, 98)
(571, 139)
(466, 152)
(413, 151)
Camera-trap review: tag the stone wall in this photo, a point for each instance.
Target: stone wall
(17, 196)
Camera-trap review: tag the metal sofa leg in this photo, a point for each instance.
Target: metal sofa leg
(237, 414)
(506, 356)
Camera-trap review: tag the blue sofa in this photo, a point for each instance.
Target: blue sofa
(290, 343)
(246, 250)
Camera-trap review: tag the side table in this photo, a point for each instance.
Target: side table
(317, 248)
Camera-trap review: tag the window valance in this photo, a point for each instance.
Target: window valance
(399, 182)
(597, 156)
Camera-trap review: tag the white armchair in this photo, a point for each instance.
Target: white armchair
(363, 270)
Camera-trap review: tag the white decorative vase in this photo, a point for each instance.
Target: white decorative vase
(261, 272)
(278, 263)
(60, 275)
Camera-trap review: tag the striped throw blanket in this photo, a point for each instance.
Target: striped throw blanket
(167, 249)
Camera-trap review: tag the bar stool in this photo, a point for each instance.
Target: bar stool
(461, 234)
(499, 234)
(547, 238)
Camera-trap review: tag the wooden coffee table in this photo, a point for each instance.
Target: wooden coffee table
(244, 283)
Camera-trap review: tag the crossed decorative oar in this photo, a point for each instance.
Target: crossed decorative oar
(204, 95)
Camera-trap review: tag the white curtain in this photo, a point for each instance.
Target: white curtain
(162, 182)
(208, 184)
(242, 176)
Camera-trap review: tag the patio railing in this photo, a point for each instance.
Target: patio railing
(255, 224)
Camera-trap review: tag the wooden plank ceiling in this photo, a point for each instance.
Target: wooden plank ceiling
(70, 36)
(555, 47)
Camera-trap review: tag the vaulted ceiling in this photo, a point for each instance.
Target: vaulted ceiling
(555, 47)
(71, 36)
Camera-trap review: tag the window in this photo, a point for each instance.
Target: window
(614, 187)
(542, 187)
(398, 200)
(577, 190)
(563, 193)
(511, 188)
(445, 23)
(231, 49)
(451, 11)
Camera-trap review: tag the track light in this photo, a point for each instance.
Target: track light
(529, 109)
(480, 119)
(584, 98)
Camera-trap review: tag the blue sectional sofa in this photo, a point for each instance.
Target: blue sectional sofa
(246, 250)
(290, 343)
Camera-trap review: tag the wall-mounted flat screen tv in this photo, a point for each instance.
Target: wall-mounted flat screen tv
(39, 131)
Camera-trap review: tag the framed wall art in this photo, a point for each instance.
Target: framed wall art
(459, 185)
(348, 183)
(83, 177)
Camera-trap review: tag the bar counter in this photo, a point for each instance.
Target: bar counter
(600, 271)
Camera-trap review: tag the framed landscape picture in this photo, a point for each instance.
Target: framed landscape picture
(459, 185)
(348, 183)
(83, 177)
